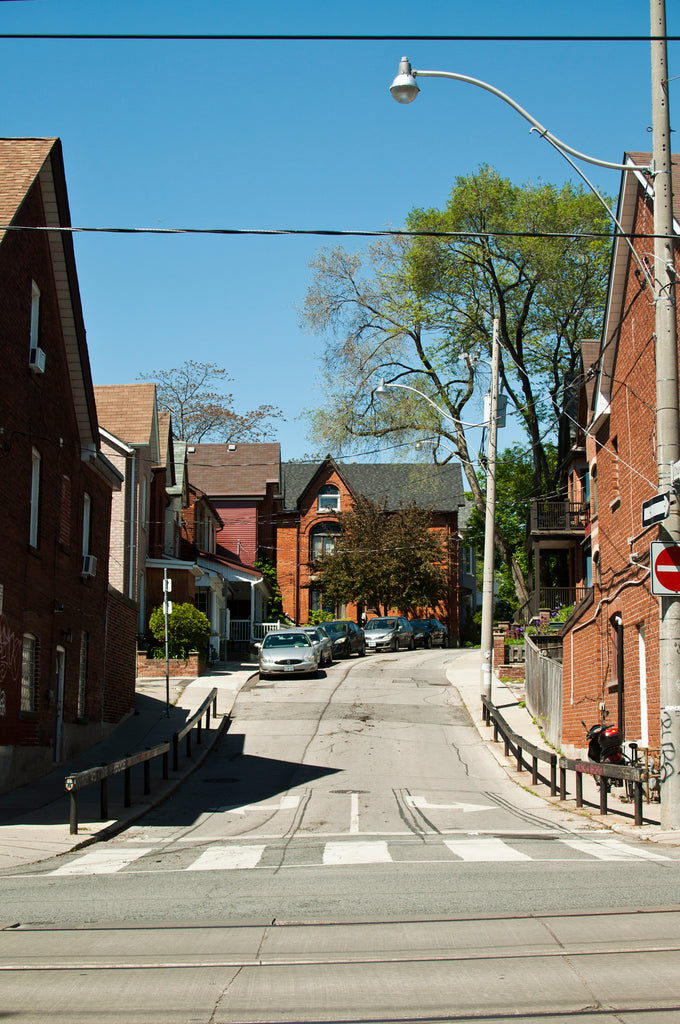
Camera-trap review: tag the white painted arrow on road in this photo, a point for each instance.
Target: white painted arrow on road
(422, 804)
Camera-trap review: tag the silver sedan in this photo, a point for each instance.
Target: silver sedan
(287, 652)
(322, 642)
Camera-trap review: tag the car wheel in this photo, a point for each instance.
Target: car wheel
(362, 650)
(263, 675)
(411, 644)
(428, 643)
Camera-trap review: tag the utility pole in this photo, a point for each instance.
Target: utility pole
(490, 524)
(667, 411)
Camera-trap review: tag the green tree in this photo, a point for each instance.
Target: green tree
(188, 630)
(385, 559)
(419, 312)
(268, 570)
(202, 412)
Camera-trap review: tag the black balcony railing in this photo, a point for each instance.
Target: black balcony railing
(559, 516)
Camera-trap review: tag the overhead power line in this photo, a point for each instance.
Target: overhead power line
(339, 37)
(331, 232)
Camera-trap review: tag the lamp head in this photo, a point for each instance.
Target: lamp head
(381, 389)
(404, 88)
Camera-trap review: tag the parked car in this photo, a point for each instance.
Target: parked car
(322, 642)
(287, 652)
(347, 638)
(440, 633)
(389, 634)
(423, 632)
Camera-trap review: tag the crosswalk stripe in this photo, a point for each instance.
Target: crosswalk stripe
(227, 858)
(101, 862)
(487, 849)
(356, 853)
(611, 849)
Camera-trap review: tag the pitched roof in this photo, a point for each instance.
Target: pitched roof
(21, 161)
(27, 164)
(127, 410)
(398, 484)
(234, 470)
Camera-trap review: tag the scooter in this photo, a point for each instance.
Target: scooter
(605, 746)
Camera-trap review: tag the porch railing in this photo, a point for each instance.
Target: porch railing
(244, 631)
(559, 516)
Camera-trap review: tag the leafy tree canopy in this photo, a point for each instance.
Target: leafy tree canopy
(201, 411)
(385, 559)
(419, 312)
(188, 630)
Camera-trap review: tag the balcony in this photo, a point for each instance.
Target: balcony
(558, 519)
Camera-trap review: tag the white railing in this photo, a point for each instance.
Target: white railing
(243, 631)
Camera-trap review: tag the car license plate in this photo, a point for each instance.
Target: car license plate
(289, 668)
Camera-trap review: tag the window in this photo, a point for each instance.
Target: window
(34, 522)
(323, 538)
(202, 600)
(35, 314)
(87, 511)
(82, 674)
(593, 490)
(65, 512)
(29, 674)
(328, 499)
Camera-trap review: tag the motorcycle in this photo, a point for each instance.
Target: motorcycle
(605, 746)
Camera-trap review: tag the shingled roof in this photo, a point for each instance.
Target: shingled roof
(21, 161)
(402, 483)
(234, 470)
(127, 411)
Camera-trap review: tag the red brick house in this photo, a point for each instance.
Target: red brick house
(242, 483)
(611, 642)
(63, 681)
(314, 493)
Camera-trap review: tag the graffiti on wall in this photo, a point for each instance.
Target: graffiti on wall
(668, 752)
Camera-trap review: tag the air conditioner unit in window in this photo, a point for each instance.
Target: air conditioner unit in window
(36, 360)
(89, 566)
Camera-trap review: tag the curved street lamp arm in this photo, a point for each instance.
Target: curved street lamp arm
(562, 146)
(382, 387)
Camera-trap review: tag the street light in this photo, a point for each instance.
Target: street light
(405, 89)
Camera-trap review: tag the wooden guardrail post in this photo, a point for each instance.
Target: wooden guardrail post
(73, 812)
(579, 788)
(104, 798)
(553, 774)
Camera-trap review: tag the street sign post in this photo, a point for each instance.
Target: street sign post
(665, 565)
(655, 509)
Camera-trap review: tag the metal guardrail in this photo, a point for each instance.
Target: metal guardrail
(102, 773)
(517, 746)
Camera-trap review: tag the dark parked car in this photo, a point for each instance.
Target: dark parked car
(440, 634)
(423, 632)
(347, 638)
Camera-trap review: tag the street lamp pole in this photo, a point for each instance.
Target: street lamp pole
(667, 410)
(490, 524)
(404, 89)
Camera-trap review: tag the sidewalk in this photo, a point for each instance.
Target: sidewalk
(34, 819)
(464, 675)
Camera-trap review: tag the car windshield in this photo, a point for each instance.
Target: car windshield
(336, 627)
(381, 624)
(287, 640)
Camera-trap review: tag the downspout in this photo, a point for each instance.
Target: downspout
(133, 528)
(297, 570)
(253, 584)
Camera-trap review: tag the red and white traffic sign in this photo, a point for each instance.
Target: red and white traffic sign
(665, 560)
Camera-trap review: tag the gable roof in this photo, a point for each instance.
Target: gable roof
(234, 470)
(129, 411)
(632, 182)
(398, 484)
(27, 164)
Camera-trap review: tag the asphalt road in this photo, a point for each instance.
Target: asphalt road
(350, 852)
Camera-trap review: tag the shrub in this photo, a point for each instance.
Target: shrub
(188, 630)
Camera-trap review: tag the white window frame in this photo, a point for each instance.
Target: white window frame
(35, 314)
(34, 521)
(87, 519)
(328, 499)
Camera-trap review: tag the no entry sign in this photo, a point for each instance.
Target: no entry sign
(665, 559)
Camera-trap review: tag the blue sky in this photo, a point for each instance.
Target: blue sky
(291, 134)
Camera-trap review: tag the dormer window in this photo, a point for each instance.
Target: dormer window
(328, 499)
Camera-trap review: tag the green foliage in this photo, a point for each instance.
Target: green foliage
(385, 559)
(319, 615)
(268, 570)
(188, 630)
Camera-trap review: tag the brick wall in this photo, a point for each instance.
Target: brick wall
(624, 456)
(121, 661)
